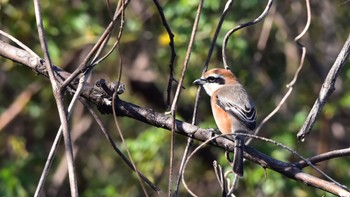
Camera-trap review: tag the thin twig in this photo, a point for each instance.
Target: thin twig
(59, 101)
(216, 34)
(326, 90)
(106, 40)
(177, 95)
(196, 103)
(324, 157)
(57, 140)
(83, 65)
(121, 28)
(296, 39)
(119, 130)
(19, 43)
(219, 174)
(173, 51)
(229, 33)
(291, 84)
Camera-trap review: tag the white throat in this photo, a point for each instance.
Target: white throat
(210, 88)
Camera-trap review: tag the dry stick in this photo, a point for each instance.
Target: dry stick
(115, 94)
(173, 52)
(177, 94)
(114, 97)
(57, 140)
(291, 84)
(59, 133)
(190, 156)
(326, 90)
(105, 41)
(59, 101)
(121, 28)
(229, 33)
(83, 65)
(219, 174)
(195, 108)
(265, 32)
(323, 157)
(120, 10)
(95, 61)
(216, 34)
(114, 145)
(19, 43)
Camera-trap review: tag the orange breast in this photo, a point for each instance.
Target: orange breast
(222, 119)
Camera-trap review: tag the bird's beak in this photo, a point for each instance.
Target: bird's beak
(199, 82)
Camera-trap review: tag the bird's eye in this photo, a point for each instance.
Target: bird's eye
(211, 79)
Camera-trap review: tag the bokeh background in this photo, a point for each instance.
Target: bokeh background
(264, 57)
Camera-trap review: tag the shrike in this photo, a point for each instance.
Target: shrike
(233, 109)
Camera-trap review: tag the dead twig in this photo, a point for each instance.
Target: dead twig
(177, 95)
(229, 33)
(59, 102)
(172, 48)
(326, 90)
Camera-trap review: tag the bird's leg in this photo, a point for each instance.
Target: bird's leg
(227, 154)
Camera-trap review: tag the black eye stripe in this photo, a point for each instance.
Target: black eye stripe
(218, 80)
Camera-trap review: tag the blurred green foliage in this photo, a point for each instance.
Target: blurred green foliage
(72, 27)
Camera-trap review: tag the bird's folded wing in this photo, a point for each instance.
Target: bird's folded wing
(235, 100)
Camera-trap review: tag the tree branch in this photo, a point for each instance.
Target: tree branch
(326, 91)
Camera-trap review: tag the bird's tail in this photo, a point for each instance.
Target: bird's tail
(238, 156)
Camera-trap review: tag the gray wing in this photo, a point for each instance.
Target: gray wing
(236, 101)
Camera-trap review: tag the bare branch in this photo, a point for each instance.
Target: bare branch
(229, 33)
(121, 28)
(19, 43)
(173, 52)
(59, 102)
(114, 97)
(205, 68)
(206, 63)
(326, 90)
(324, 157)
(291, 84)
(217, 31)
(57, 140)
(100, 43)
(177, 95)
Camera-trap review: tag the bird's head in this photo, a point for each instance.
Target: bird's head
(215, 78)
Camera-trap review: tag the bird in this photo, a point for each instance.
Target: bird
(233, 109)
